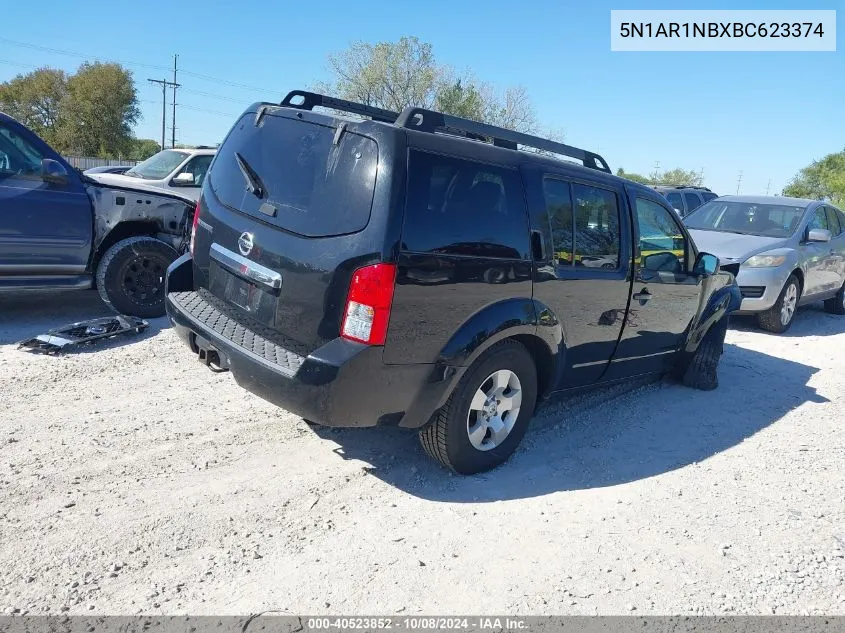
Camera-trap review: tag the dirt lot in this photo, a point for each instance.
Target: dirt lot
(132, 480)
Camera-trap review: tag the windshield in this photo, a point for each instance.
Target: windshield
(158, 166)
(748, 218)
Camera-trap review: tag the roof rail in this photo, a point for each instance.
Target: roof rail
(311, 100)
(430, 121)
(683, 187)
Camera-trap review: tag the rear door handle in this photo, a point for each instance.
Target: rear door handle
(642, 296)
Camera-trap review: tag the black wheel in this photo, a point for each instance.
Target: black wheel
(608, 266)
(779, 317)
(836, 305)
(486, 417)
(495, 275)
(130, 276)
(702, 370)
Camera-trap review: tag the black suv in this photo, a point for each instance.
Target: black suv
(685, 198)
(417, 269)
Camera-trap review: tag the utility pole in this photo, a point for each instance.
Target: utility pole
(175, 85)
(768, 185)
(738, 181)
(701, 177)
(164, 83)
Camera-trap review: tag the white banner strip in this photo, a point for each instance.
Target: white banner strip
(707, 30)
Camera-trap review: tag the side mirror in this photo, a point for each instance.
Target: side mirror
(53, 171)
(819, 235)
(185, 179)
(706, 264)
(665, 261)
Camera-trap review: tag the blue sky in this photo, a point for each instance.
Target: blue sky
(766, 114)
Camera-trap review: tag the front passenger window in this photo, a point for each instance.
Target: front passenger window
(662, 244)
(819, 220)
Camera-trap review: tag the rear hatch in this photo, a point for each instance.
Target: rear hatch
(285, 219)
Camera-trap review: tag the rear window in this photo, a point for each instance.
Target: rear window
(311, 186)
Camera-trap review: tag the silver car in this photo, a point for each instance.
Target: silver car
(788, 252)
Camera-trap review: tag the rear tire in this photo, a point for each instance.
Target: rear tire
(836, 305)
(459, 436)
(778, 318)
(702, 373)
(130, 276)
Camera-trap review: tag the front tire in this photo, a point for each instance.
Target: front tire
(779, 317)
(702, 371)
(836, 305)
(130, 276)
(487, 415)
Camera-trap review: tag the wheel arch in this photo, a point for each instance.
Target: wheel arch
(721, 303)
(525, 320)
(130, 228)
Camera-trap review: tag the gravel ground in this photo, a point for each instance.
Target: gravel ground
(133, 480)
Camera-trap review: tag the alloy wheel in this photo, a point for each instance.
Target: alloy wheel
(494, 410)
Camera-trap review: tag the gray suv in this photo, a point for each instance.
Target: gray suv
(685, 199)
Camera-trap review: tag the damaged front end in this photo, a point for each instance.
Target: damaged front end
(139, 209)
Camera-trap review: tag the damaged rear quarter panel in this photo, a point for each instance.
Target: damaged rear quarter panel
(167, 216)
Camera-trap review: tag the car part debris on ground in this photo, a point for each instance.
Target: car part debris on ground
(60, 339)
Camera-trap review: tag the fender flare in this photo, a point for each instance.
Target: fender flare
(721, 303)
(494, 323)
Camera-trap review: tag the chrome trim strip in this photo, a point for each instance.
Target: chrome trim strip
(246, 267)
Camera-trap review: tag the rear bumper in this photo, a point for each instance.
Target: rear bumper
(342, 383)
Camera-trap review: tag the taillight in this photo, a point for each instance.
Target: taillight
(194, 227)
(368, 304)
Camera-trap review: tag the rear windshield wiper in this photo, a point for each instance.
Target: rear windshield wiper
(253, 182)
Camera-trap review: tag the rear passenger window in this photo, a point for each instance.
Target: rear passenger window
(460, 207)
(676, 201)
(596, 227)
(692, 200)
(559, 211)
(708, 196)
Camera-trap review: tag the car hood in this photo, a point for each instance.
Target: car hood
(734, 246)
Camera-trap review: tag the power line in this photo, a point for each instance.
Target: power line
(212, 96)
(189, 107)
(204, 77)
(164, 84)
(175, 85)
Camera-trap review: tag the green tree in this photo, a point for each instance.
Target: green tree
(632, 176)
(98, 111)
(35, 100)
(142, 148)
(460, 100)
(395, 75)
(677, 176)
(391, 75)
(821, 180)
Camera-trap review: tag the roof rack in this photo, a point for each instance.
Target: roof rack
(683, 187)
(311, 100)
(431, 121)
